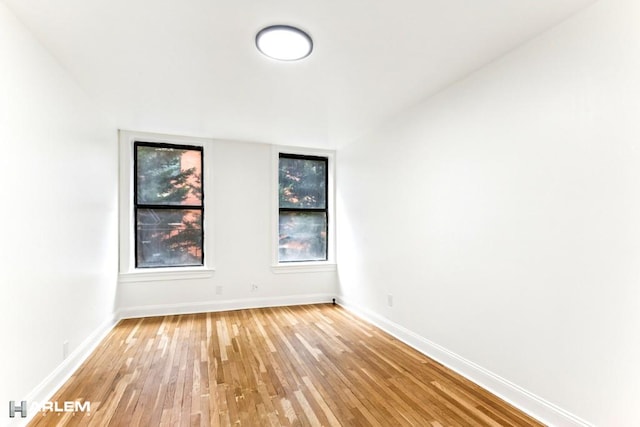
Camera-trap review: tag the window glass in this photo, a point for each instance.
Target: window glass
(169, 237)
(303, 236)
(168, 205)
(168, 176)
(302, 183)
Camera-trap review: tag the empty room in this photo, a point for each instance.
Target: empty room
(306, 213)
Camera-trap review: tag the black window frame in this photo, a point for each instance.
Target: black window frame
(324, 210)
(137, 205)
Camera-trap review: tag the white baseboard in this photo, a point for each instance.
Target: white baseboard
(56, 379)
(524, 400)
(223, 305)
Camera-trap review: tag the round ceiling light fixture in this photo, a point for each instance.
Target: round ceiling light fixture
(284, 43)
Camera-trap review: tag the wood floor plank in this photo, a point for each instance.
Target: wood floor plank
(315, 365)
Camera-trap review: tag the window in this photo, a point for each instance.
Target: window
(168, 205)
(303, 222)
(303, 202)
(165, 218)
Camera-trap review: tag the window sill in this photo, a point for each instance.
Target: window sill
(304, 267)
(162, 274)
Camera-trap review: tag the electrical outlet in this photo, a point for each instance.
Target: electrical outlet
(218, 290)
(254, 287)
(65, 350)
(390, 300)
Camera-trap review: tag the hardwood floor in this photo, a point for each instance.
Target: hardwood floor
(302, 365)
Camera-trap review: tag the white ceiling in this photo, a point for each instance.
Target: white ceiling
(191, 67)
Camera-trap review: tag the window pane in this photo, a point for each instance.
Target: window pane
(302, 183)
(303, 236)
(169, 237)
(169, 176)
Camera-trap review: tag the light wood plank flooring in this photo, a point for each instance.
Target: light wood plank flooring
(303, 365)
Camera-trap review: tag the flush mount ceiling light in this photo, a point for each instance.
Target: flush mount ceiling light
(284, 43)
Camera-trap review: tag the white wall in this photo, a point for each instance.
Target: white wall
(59, 266)
(58, 251)
(503, 215)
(242, 213)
